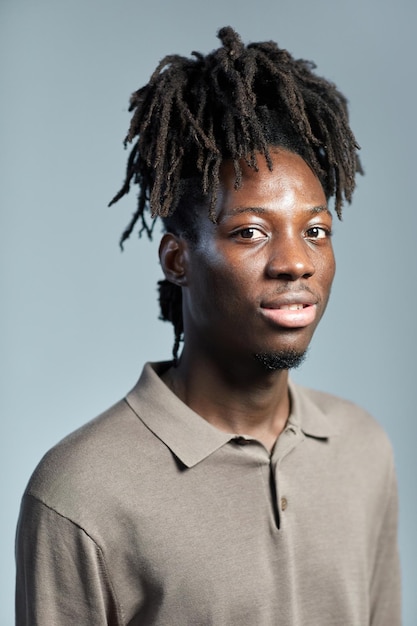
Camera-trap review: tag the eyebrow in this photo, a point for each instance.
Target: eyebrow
(323, 208)
(261, 210)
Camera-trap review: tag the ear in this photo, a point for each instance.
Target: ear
(173, 256)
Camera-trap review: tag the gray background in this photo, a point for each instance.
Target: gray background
(79, 318)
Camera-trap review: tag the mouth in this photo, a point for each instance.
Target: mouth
(291, 307)
(290, 314)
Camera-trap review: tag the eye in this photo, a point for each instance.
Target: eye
(318, 232)
(250, 232)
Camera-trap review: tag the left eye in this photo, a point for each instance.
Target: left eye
(317, 232)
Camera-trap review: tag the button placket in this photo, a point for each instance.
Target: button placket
(289, 440)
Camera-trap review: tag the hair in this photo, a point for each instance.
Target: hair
(234, 103)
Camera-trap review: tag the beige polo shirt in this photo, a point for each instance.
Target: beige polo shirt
(149, 515)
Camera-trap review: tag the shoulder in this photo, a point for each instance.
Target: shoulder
(350, 423)
(84, 471)
(107, 458)
(335, 406)
(83, 447)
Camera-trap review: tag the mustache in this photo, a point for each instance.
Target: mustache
(291, 289)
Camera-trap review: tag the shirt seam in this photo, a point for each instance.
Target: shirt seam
(120, 615)
(389, 492)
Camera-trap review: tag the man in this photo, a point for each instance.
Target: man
(218, 491)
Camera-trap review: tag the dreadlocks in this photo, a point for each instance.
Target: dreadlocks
(234, 103)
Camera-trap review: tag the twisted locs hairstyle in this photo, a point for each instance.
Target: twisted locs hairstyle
(234, 103)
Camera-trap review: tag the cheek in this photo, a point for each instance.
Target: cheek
(235, 280)
(222, 285)
(326, 263)
(211, 269)
(331, 265)
(327, 272)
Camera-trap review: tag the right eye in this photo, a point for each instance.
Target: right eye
(250, 232)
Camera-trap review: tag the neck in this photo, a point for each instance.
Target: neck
(237, 398)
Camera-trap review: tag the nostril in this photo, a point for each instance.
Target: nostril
(290, 272)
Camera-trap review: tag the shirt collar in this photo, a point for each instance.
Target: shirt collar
(308, 414)
(188, 435)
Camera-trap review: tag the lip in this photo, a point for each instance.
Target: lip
(282, 311)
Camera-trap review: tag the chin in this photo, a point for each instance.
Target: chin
(283, 360)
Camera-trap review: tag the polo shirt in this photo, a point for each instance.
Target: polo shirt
(150, 515)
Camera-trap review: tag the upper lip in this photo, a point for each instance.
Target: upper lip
(277, 301)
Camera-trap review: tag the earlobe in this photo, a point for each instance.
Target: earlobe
(173, 258)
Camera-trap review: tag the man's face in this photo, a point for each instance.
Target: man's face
(258, 281)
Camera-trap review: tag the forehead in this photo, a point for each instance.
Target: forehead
(289, 182)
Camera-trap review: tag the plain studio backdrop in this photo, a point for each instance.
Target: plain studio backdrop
(79, 318)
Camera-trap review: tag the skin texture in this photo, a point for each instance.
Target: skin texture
(270, 248)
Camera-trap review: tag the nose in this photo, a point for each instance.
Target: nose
(290, 258)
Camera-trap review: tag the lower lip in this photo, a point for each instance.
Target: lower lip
(292, 318)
